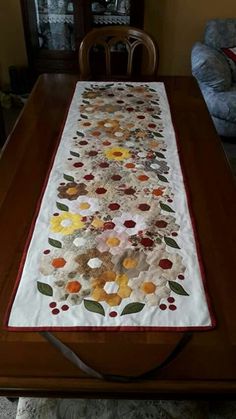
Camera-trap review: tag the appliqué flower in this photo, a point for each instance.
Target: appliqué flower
(129, 223)
(94, 263)
(148, 287)
(112, 242)
(57, 261)
(109, 125)
(130, 262)
(111, 288)
(91, 94)
(79, 242)
(73, 291)
(167, 265)
(72, 190)
(117, 153)
(165, 224)
(84, 205)
(66, 223)
(157, 166)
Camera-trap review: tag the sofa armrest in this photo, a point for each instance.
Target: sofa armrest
(210, 67)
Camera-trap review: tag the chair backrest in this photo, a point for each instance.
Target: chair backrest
(108, 38)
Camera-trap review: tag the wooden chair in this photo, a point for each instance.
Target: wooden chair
(2, 128)
(144, 61)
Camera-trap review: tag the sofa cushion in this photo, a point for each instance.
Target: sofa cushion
(222, 104)
(210, 67)
(220, 33)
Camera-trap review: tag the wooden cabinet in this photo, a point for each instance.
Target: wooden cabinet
(54, 28)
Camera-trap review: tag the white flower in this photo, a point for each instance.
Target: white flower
(84, 205)
(149, 288)
(113, 242)
(57, 262)
(165, 225)
(79, 242)
(129, 223)
(167, 265)
(63, 291)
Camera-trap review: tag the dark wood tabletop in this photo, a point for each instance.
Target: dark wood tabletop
(31, 366)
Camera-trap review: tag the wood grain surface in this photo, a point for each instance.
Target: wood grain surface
(31, 366)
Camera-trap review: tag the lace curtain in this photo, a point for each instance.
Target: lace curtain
(55, 23)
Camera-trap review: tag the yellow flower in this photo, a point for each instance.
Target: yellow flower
(117, 153)
(99, 292)
(66, 223)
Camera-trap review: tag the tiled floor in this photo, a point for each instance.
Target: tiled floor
(7, 408)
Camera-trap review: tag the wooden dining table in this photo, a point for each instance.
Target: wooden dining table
(31, 366)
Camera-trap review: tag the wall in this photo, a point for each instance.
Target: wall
(177, 24)
(12, 46)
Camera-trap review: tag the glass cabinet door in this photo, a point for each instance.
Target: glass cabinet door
(111, 12)
(55, 24)
(54, 29)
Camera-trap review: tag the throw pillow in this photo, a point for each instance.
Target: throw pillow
(230, 54)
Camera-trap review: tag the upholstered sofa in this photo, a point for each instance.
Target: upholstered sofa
(215, 72)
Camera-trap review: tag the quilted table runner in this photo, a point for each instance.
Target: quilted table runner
(113, 245)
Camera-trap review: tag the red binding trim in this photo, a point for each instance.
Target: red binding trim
(113, 328)
(195, 232)
(35, 216)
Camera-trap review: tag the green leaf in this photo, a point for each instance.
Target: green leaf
(73, 153)
(54, 243)
(160, 155)
(69, 178)
(94, 306)
(171, 242)
(157, 134)
(165, 207)
(83, 116)
(86, 102)
(152, 90)
(132, 308)
(62, 207)
(156, 117)
(162, 178)
(45, 289)
(109, 85)
(80, 134)
(177, 288)
(129, 85)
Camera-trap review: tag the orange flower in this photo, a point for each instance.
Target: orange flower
(58, 263)
(73, 286)
(158, 192)
(143, 178)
